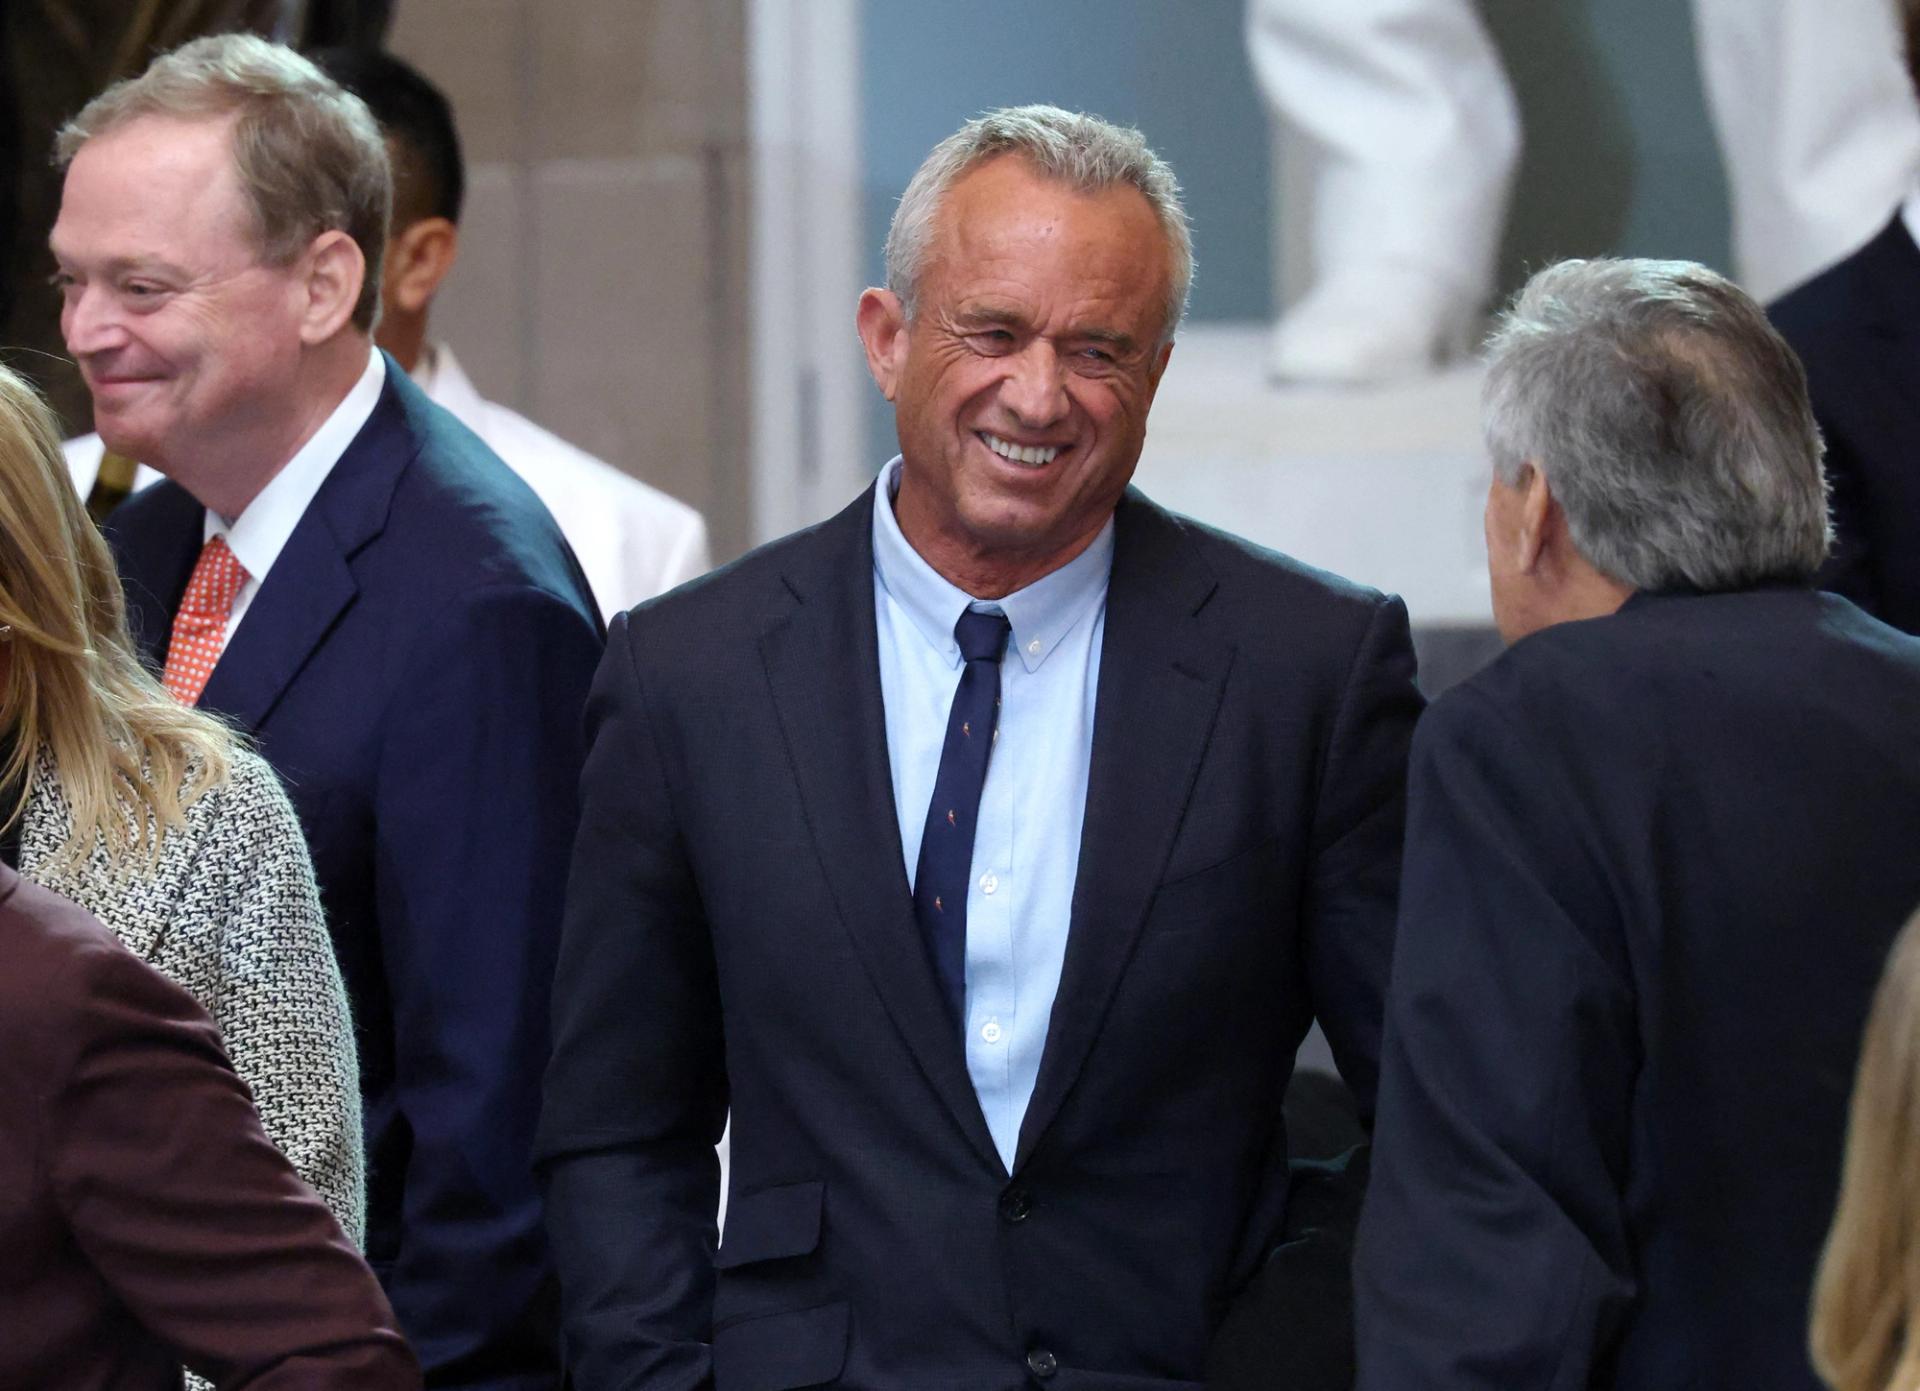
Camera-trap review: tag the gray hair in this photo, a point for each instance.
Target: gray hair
(309, 155)
(1084, 152)
(1669, 418)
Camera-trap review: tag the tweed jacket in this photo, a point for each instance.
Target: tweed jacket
(231, 915)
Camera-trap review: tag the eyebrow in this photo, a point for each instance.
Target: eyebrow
(1009, 319)
(129, 265)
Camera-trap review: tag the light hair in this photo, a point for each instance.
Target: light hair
(1866, 1293)
(129, 758)
(309, 155)
(1084, 152)
(1670, 420)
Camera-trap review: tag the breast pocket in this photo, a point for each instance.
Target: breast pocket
(772, 1330)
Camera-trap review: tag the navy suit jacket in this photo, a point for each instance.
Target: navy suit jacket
(1654, 864)
(414, 666)
(1856, 328)
(739, 928)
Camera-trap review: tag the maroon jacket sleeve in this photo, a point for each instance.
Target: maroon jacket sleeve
(186, 1210)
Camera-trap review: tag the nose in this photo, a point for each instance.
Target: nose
(90, 321)
(1034, 390)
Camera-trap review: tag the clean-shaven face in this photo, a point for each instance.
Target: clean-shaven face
(186, 339)
(1022, 397)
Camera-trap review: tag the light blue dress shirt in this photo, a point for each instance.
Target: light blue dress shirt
(1026, 846)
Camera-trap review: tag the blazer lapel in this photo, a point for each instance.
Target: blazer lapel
(156, 562)
(823, 668)
(311, 583)
(1161, 678)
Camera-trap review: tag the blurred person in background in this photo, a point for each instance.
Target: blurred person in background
(160, 822)
(632, 540)
(1857, 329)
(1866, 1296)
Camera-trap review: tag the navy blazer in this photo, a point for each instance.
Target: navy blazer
(1654, 864)
(1856, 328)
(739, 928)
(414, 667)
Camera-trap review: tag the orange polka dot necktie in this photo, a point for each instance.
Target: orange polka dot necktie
(200, 628)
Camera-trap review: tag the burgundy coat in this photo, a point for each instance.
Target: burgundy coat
(146, 1219)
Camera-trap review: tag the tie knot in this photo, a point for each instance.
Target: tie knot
(216, 580)
(981, 635)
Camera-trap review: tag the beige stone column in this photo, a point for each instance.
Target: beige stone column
(603, 281)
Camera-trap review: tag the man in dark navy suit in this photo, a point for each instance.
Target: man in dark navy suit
(1856, 327)
(352, 577)
(988, 848)
(1655, 857)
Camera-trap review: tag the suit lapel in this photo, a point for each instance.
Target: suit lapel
(836, 736)
(1161, 678)
(311, 583)
(155, 559)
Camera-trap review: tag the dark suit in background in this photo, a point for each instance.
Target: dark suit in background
(1654, 863)
(414, 666)
(739, 860)
(146, 1218)
(1856, 328)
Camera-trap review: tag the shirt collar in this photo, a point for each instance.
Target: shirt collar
(1041, 614)
(1910, 214)
(259, 534)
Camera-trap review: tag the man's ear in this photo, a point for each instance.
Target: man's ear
(882, 322)
(1540, 518)
(333, 271)
(419, 256)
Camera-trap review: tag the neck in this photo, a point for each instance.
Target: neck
(227, 473)
(405, 336)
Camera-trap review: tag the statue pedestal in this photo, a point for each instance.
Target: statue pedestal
(1384, 485)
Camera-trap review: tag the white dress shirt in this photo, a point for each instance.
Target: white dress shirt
(1026, 844)
(259, 534)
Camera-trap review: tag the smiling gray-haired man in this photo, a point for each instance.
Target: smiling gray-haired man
(989, 848)
(1655, 857)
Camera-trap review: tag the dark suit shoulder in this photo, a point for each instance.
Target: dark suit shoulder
(1837, 305)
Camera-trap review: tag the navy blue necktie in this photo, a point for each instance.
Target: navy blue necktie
(946, 845)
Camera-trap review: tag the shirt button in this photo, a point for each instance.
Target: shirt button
(1033, 648)
(989, 882)
(1042, 1363)
(990, 1032)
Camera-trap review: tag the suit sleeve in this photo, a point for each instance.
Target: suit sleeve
(636, 1092)
(1355, 880)
(188, 1213)
(1493, 1250)
(475, 808)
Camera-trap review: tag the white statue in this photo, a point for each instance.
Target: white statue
(1415, 137)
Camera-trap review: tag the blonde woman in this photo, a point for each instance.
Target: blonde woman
(152, 817)
(1866, 1297)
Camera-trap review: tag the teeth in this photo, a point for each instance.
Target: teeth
(1020, 454)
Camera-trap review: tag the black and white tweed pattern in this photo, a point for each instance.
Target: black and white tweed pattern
(231, 914)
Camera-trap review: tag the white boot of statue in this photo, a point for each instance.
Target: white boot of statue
(1817, 124)
(1414, 137)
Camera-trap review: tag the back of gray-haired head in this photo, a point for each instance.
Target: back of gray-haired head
(1081, 151)
(1670, 419)
(309, 155)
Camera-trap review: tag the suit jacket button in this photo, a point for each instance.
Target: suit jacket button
(1042, 1363)
(1015, 1204)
